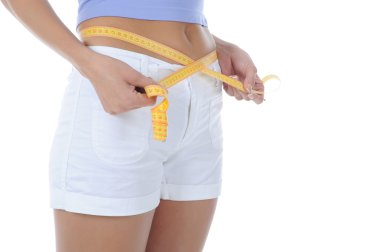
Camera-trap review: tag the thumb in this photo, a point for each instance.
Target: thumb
(141, 81)
(249, 79)
(140, 84)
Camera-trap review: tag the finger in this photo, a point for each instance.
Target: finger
(258, 101)
(244, 95)
(228, 89)
(237, 94)
(257, 88)
(141, 97)
(257, 98)
(145, 100)
(236, 77)
(249, 78)
(258, 79)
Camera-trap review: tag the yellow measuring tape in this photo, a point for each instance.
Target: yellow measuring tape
(159, 116)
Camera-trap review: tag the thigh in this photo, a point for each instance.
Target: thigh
(181, 226)
(77, 232)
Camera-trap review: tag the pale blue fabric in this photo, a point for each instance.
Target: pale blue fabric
(190, 11)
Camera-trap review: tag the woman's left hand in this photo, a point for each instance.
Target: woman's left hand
(235, 61)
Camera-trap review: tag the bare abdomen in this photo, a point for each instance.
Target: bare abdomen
(193, 40)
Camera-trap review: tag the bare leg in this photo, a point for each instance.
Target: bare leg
(181, 226)
(90, 233)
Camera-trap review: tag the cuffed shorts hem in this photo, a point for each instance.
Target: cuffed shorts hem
(190, 192)
(88, 204)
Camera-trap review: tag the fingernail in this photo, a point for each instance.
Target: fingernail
(249, 89)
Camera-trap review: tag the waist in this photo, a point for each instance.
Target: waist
(191, 39)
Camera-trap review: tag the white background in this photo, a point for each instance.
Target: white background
(301, 170)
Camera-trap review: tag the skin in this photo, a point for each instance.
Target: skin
(174, 226)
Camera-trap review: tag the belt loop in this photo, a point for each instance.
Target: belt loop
(216, 69)
(152, 70)
(175, 67)
(143, 66)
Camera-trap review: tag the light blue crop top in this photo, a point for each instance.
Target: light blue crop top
(190, 11)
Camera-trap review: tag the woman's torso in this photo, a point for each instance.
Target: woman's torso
(192, 39)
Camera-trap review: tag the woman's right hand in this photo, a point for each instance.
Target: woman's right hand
(115, 82)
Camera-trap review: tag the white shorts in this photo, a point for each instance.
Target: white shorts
(110, 165)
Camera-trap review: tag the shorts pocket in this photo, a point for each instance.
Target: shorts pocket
(215, 121)
(120, 139)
